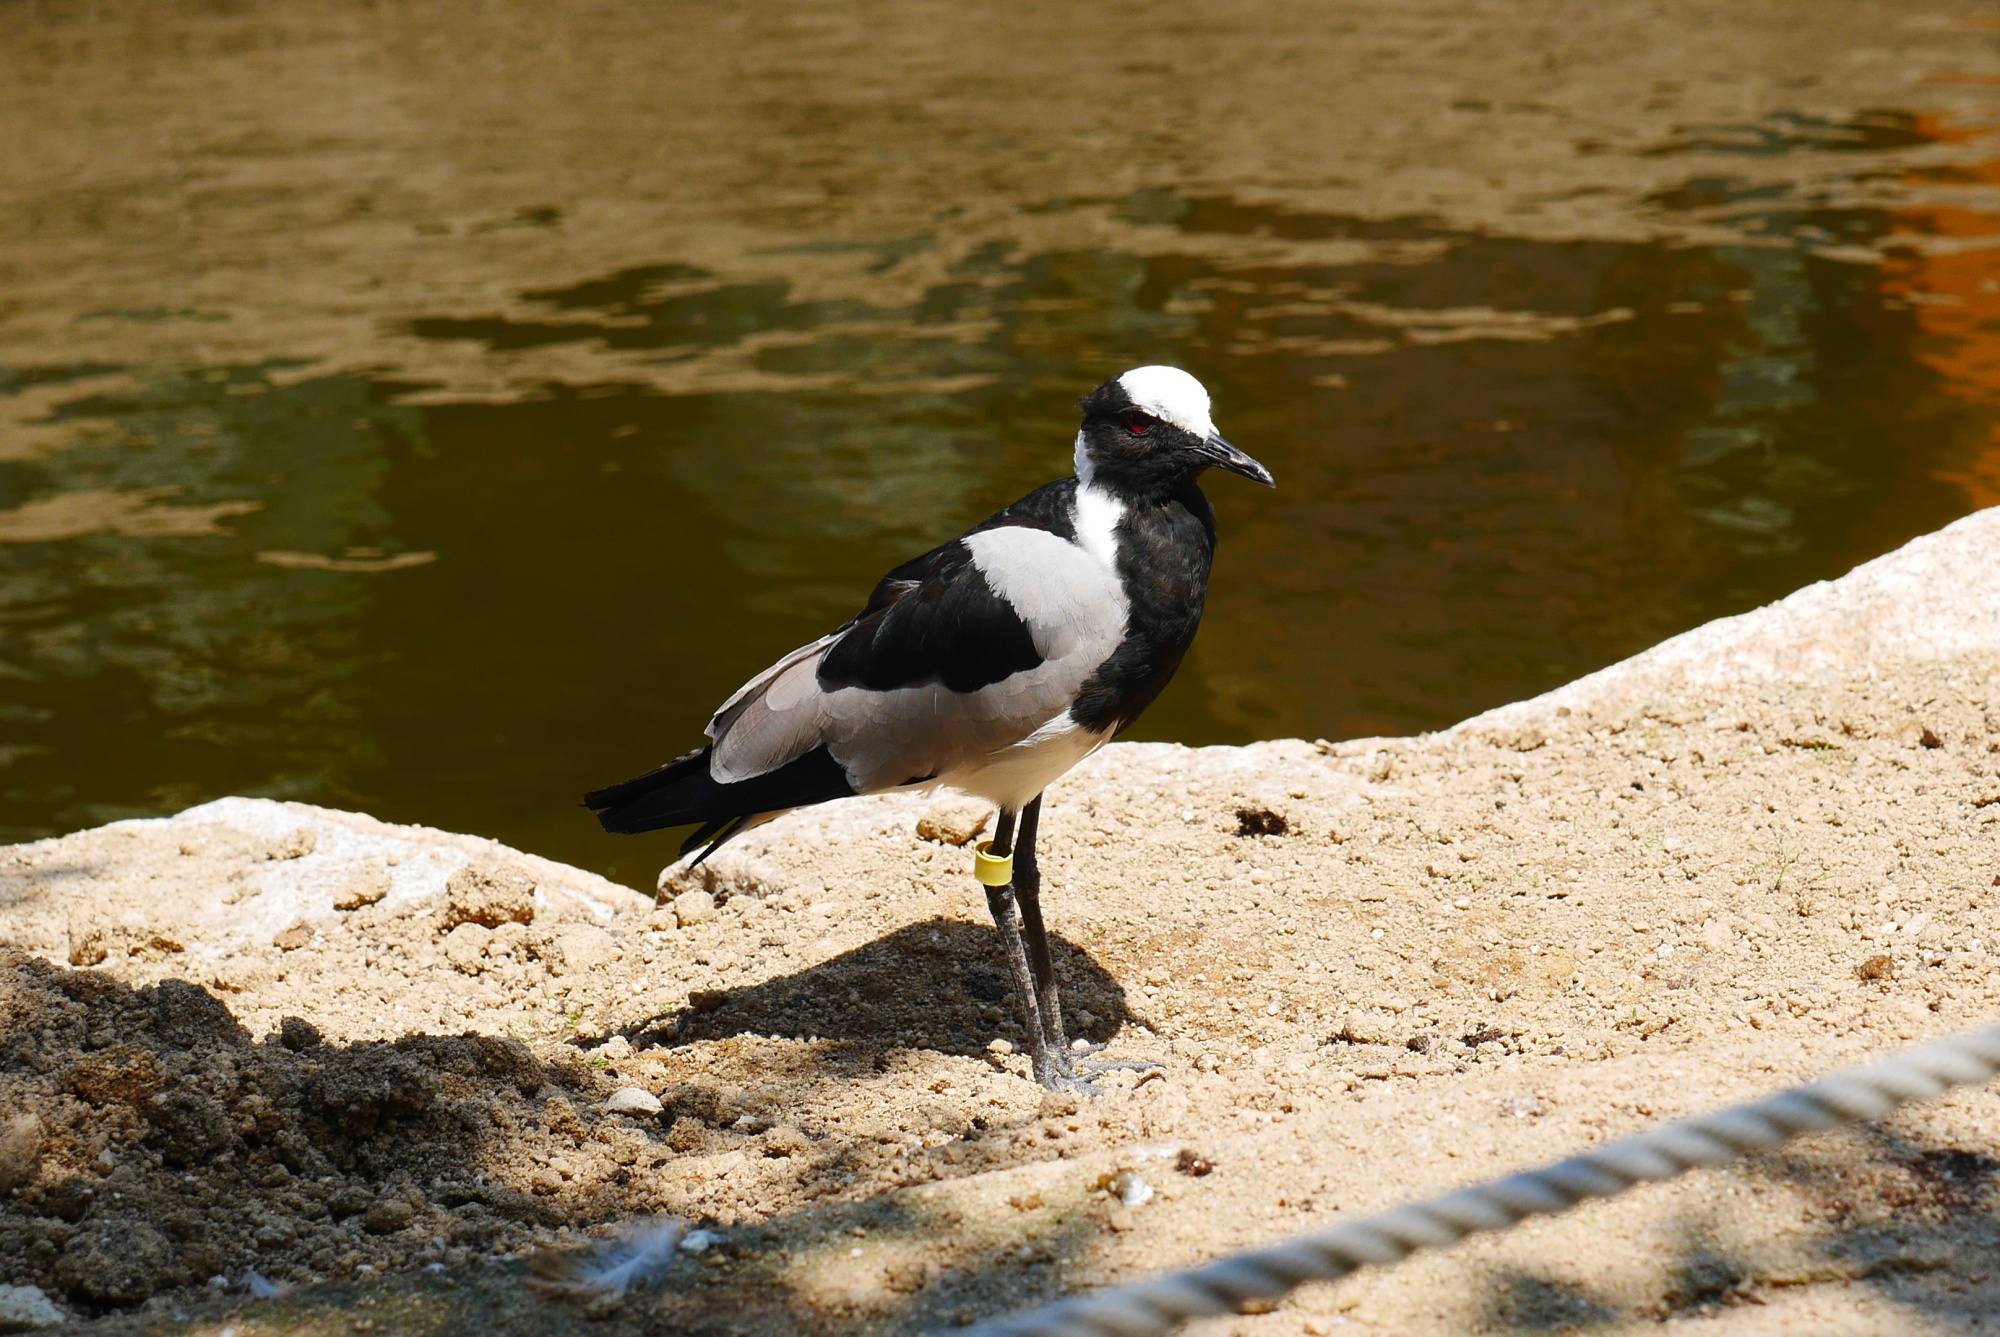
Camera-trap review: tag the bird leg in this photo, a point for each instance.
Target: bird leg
(1028, 887)
(1047, 1065)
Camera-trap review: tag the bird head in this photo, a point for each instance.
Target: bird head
(1148, 432)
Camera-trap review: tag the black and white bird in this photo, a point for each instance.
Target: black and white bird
(991, 665)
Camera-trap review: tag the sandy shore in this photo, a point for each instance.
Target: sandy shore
(267, 1037)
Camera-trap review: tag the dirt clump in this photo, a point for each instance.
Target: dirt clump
(160, 1146)
(487, 897)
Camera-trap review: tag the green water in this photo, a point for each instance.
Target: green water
(1502, 463)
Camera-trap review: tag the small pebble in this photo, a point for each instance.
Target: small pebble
(387, 1216)
(1131, 1189)
(366, 887)
(27, 1309)
(693, 907)
(954, 821)
(21, 1142)
(632, 1100)
(298, 1034)
(1192, 1163)
(1365, 1028)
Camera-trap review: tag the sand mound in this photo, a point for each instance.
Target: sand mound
(229, 876)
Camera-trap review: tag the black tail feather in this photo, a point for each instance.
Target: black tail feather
(713, 836)
(650, 801)
(684, 791)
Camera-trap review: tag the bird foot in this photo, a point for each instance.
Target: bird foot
(1083, 1080)
(1074, 1071)
(1092, 1069)
(1080, 1051)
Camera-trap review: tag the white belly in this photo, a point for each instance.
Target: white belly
(1013, 776)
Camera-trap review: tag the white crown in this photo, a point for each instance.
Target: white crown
(1171, 395)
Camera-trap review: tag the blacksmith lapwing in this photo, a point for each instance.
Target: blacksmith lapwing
(992, 665)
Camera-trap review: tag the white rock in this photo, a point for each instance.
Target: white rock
(26, 1309)
(632, 1100)
(699, 1241)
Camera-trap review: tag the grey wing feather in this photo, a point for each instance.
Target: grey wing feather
(1074, 609)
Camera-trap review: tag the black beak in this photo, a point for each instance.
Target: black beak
(1221, 455)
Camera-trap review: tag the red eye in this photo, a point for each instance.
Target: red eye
(1138, 424)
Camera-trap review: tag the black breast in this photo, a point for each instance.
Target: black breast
(1164, 552)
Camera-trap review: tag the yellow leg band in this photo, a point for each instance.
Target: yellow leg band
(992, 870)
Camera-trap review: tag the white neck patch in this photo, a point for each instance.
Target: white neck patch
(1169, 394)
(1096, 516)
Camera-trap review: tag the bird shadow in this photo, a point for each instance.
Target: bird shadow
(938, 984)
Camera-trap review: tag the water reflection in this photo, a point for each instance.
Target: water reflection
(1505, 462)
(149, 659)
(1950, 282)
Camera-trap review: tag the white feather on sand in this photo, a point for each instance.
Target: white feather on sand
(633, 1257)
